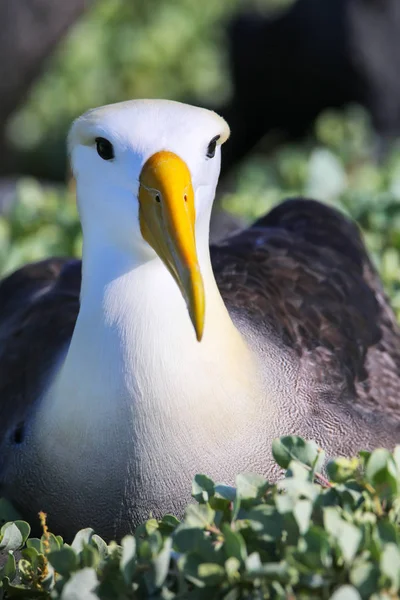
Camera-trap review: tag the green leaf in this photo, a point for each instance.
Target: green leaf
(396, 457)
(188, 539)
(349, 494)
(64, 561)
(188, 564)
(365, 577)
(273, 571)
(298, 471)
(50, 542)
(342, 469)
(298, 488)
(293, 447)
(147, 528)
(195, 540)
(128, 558)
(302, 513)
(382, 473)
(232, 567)
(326, 175)
(226, 492)
(387, 531)
(83, 537)
(168, 524)
(390, 564)
(161, 563)
(250, 486)
(144, 551)
(13, 535)
(89, 557)
(346, 592)
(233, 594)
(14, 590)
(31, 554)
(199, 515)
(234, 544)
(35, 543)
(253, 563)
(347, 536)
(81, 586)
(237, 503)
(155, 542)
(151, 526)
(202, 488)
(101, 546)
(265, 521)
(316, 549)
(348, 539)
(211, 573)
(8, 568)
(364, 456)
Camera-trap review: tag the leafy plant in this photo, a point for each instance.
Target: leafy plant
(302, 537)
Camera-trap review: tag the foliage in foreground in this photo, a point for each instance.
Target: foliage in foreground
(304, 537)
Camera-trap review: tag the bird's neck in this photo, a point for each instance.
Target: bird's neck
(142, 302)
(134, 342)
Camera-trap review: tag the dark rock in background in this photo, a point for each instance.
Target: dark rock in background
(316, 55)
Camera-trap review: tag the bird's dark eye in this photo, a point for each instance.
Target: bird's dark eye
(104, 148)
(212, 146)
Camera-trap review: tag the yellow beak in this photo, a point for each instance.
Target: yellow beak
(167, 221)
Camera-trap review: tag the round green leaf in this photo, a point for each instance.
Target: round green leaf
(293, 447)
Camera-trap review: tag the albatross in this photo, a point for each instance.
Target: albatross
(156, 357)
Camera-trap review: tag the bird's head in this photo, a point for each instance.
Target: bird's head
(146, 173)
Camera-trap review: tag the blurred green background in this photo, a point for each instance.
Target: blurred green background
(177, 49)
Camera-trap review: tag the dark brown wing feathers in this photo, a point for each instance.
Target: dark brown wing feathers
(303, 271)
(39, 305)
